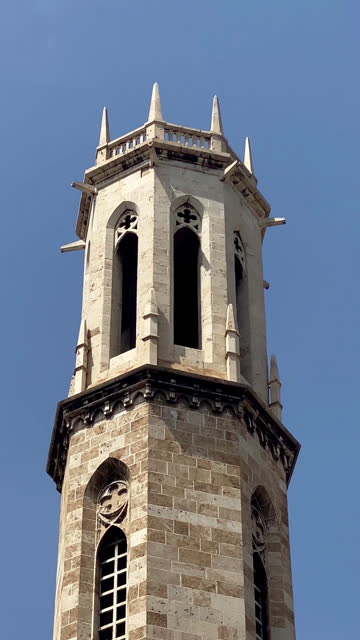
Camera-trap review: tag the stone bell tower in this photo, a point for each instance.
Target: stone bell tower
(169, 452)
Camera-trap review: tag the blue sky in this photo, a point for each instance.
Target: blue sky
(286, 74)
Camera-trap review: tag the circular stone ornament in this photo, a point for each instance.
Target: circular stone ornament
(113, 501)
(258, 529)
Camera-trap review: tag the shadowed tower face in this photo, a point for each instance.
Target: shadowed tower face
(169, 452)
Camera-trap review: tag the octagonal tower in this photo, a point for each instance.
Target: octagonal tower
(170, 452)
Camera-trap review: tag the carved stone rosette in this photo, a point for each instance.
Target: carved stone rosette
(259, 531)
(112, 505)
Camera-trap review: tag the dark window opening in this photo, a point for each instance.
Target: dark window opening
(124, 295)
(129, 258)
(261, 599)
(186, 288)
(238, 291)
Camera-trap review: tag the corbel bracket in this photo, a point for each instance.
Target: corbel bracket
(230, 170)
(153, 159)
(273, 222)
(89, 189)
(73, 246)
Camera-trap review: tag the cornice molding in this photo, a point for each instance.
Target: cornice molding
(147, 381)
(142, 156)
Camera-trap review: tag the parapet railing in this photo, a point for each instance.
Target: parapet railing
(126, 143)
(187, 137)
(175, 134)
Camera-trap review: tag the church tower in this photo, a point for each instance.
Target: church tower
(170, 453)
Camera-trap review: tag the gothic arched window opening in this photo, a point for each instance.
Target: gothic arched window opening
(112, 576)
(239, 263)
(124, 285)
(187, 279)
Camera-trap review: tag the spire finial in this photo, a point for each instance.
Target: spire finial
(274, 370)
(216, 121)
(275, 388)
(232, 346)
(248, 162)
(80, 373)
(155, 112)
(104, 130)
(231, 323)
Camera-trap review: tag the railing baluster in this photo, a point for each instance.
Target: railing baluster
(181, 136)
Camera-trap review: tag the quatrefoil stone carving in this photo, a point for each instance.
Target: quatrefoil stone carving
(187, 216)
(113, 502)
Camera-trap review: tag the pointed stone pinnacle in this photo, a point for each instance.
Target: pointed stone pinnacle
(82, 339)
(275, 389)
(104, 130)
(155, 112)
(151, 307)
(248, 162)
(231, 324)
(274, 370)
(216, 121)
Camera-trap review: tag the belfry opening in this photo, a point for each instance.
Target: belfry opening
(186, 288)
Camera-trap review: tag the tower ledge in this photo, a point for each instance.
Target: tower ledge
(156, 142)
(147, 381)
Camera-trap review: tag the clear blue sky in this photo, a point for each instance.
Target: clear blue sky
(287, 75)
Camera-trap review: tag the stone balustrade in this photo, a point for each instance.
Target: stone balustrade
(187, 137)
(127, 143)
(184, 136)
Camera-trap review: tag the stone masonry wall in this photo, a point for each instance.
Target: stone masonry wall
(189, 529)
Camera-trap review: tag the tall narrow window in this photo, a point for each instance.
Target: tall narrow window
(187, 279)
(187, 314)
(128, 250)
(262, 516)
(238, 291)
(261, 599)
(239, 259)
(112, 568)
(124, 285)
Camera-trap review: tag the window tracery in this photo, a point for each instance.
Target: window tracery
(128, 222)
(239, 250)
(258, 530)
(187, 216)
(113, 503)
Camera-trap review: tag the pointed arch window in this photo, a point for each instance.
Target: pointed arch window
(112, 576)
(187, 307)
(124, 285)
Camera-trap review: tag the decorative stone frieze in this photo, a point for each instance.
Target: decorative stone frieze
(148, 381)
